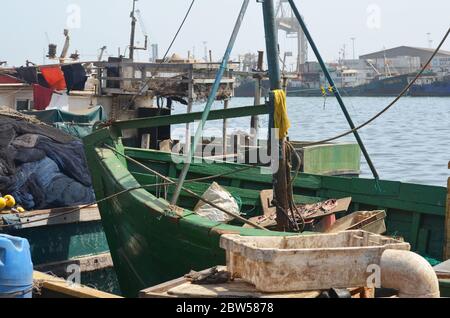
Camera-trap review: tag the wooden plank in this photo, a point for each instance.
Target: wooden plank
(252, 174)
(86, 264)
(192, 117)
(235, 289)
(182, 288)
(443, 270)
(59, 216)
(248, 197)
(51, 217)
(391, 203)
(422, 241)
(62, 287)
(447, 223)
(415, 228)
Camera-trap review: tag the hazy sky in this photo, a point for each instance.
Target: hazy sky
(374, 23)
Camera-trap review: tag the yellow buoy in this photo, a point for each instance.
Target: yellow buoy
(2, 203)
(20, 209)
(10, 201)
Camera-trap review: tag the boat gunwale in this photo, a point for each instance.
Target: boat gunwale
(394, 189)
(166, 210)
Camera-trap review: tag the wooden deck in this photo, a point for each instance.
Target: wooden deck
(182, 288)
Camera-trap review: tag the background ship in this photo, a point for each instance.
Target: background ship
(383, 73)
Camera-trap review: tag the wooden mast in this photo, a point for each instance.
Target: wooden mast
(280, 183)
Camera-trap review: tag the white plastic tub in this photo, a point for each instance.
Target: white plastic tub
(309, 262)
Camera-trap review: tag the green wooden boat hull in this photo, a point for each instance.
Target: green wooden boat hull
(58, 243)
(61, 243)
(151, 242)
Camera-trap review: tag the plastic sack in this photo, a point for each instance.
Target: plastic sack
(220, 197)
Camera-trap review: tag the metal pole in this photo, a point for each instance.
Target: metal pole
(335, 89)
(187, 147)
(255, 119)
(211, 99)
(279, 176)
(354, 51)
(224, 132)
(133, 30)
(257, 99)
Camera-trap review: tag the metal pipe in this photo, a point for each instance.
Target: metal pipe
(211, 99)
(335, 89)
(409, 273)
(254, 125)
(133, 30)
(225, 130)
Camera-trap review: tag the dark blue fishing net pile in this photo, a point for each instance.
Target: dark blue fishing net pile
(42, 167)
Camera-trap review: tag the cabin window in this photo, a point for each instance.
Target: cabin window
(23, 104)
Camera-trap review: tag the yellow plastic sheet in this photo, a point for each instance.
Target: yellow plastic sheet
(281, 117)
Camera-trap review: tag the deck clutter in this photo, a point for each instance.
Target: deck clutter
(42, 167)
(107, 191)
(165, 237)
(328, 266)
(323, 262)
(44, 172)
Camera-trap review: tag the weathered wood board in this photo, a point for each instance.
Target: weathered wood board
(63, 288)
(182, 288)
(447, 223)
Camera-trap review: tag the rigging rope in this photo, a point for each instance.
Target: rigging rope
(403, 92)
(189, 192)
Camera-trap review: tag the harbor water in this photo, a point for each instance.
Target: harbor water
(409, 143)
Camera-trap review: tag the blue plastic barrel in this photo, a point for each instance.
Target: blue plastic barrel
(16, 267)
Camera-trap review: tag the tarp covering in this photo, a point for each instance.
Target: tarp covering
(76, 130)
(41, 166)
(58, 116)
(76, 125)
